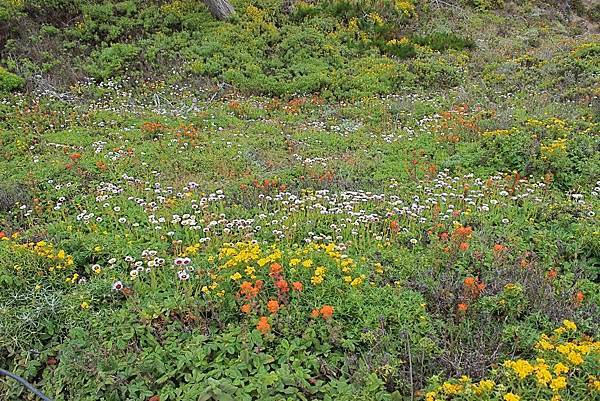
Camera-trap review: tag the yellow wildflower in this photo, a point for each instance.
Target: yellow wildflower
(559, 383)
(569, 325)
(484, 386)
(451, 389)
(511, 397)
(522, 368)
(564, 348)
(575, 358)
(560, 368)
(543, 376)
(544, 344)
(357, 281)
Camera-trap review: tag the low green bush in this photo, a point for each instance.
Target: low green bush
(106, 63)
(9, 82)
(443, 41)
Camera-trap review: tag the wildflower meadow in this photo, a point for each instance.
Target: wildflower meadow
(300, 200)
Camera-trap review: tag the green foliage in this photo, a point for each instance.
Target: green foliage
(110, 61)
(9, 82)
(259, 51)
(10, 11)
(487, 4)
(435, 72)
(441, 41)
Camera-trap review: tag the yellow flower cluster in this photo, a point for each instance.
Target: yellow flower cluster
(247, 260)
(319, 276)
(407, 8)
(376, 19)
(240, 253)
(521, 367)
(557, 368)
(556, 146)
(58, 258)
(500, 132)
(402, 41)
(464, 386)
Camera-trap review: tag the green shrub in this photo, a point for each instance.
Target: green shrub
(9, 82)
(487, 4)
(435, 72)
(443, 41)
(106, 63)
(9, 11)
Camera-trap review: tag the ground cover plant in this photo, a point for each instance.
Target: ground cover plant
(341, 200)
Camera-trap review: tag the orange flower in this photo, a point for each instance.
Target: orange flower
(498, 248)
(444, 236)
(263, 325)
(326, 311)
(282, 285)
(246, 308)
(462, 307)
(315, 313)
(463, 246)
(247, 290)
(2, 234)
(552, 274)
(394, 226)
(276, 269)
(480, 287)
(258, 284)
(463, 232)
(246, 287)
(297, 285)
(579, 297)
(75, 156)
(469, 281)
(273, 306)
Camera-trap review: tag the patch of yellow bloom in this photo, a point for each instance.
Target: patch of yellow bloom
(521, 367)
(407, 8)
(451, 389)
(560, 368)
(484, 386)
(569, 325)
(558, 365)
(318, 276)
(556, 146)
(542, 373)
(559, 383)
(376, 19)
